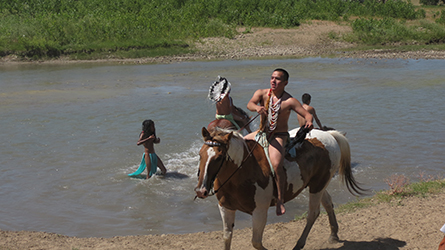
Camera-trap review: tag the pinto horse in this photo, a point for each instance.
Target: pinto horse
(238, 171)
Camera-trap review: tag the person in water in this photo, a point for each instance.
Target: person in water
(306, 99)
(275, 106)
(148, 138)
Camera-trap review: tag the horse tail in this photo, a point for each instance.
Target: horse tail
(345, 169)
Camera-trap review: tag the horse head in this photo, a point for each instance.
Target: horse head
(212, 156)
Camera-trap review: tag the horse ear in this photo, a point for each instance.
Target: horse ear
(228, 136)
(205, 134)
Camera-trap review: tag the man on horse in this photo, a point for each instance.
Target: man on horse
(220, 93)
(275, 105)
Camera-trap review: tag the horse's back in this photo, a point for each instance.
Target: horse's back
(317, 157)
(326, 138)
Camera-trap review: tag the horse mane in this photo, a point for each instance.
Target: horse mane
(236, 146)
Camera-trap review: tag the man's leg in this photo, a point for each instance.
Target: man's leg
(276, 152)
(250, 136)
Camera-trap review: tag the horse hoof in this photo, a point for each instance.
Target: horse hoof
(333, 239)
(258, 246)
(298, 246)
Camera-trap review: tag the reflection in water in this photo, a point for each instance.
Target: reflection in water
(69, 135)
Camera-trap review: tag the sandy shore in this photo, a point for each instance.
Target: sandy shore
(412, 223)
(409, 224)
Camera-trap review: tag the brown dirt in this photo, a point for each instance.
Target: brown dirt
(412, 223)
(408, 224)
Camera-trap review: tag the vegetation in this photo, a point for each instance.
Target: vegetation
(389, 30)
(137, 28)
(399, 189)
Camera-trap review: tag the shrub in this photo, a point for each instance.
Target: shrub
(397, 184)
(441, 19)
(429, 2)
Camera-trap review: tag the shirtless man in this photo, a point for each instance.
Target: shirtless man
(275, 106)
(306, 98)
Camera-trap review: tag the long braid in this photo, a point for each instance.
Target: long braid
(263, 122)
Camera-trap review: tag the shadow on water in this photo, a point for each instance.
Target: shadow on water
(379, 243)
(176, 175)
(168, 175)
(354, 165)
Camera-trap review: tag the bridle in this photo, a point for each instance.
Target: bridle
(217, 144)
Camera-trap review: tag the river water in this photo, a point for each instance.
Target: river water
(68, 136)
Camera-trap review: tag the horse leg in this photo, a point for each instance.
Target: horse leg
(259, 219)
(326, 201)
(313, 213)
(228, 218)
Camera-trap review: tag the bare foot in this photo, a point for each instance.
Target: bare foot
(280, 208)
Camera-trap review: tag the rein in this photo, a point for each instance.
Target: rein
(234, 172)
(245, 125)
(213, 144)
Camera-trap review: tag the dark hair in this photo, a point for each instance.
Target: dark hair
(284, 72)
(147, 128)
(306, 98)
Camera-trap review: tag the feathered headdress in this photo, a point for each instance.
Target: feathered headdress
(219, 89)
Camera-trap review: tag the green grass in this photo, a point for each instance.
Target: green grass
(389, 30)
(419, 189)
(97, 28)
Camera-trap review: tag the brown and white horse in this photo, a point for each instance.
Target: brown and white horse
(238, 171)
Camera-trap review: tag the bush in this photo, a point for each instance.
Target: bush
(441, 19)
(429, 2)
(388, 30)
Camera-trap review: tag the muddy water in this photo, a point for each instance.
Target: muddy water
(68, 136)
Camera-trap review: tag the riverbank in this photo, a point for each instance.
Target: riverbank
(308, 40)
(410, 223)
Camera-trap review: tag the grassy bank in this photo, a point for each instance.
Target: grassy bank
(399, 188)
(91, 29)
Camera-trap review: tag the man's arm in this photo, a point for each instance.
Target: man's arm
(311, 110)
(298, 108)
(223, 107)
(316, 119)
(151, 137)
(253, 106)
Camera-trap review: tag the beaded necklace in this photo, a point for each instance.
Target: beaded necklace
(273, 112)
